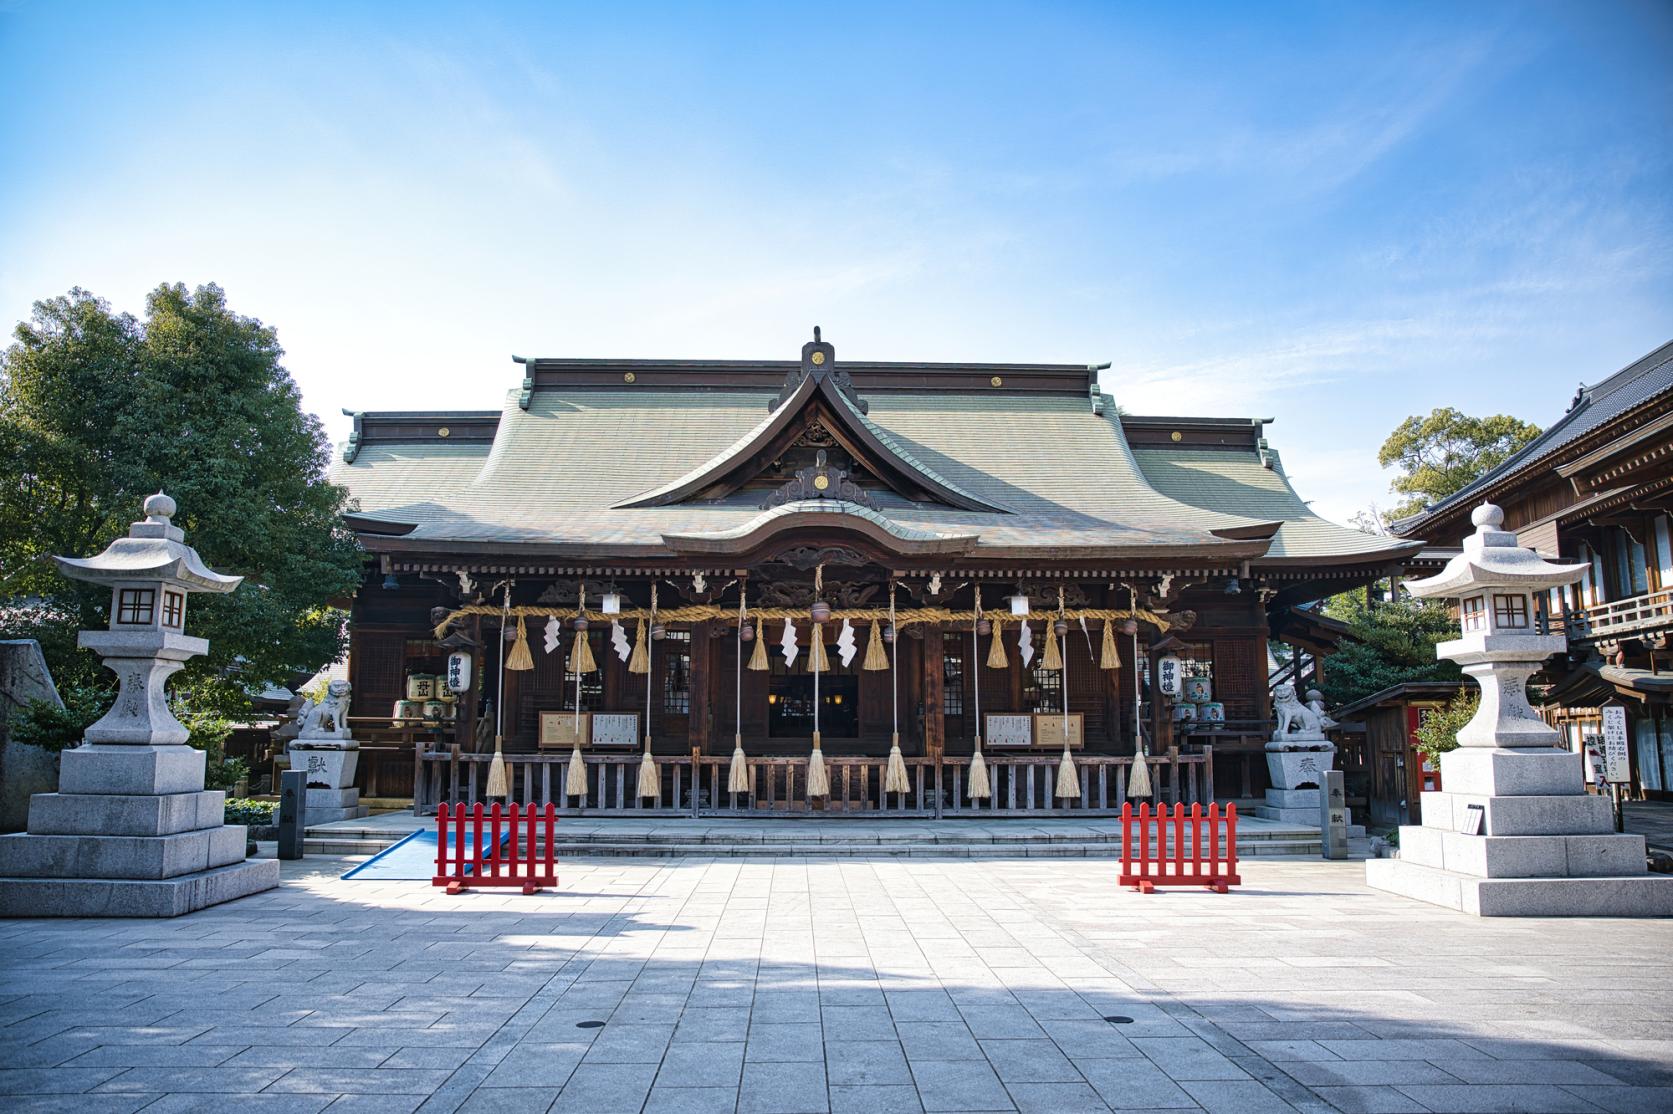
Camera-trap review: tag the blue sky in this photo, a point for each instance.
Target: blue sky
(1331, 214)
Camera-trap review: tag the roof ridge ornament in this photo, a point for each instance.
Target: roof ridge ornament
(819, 363)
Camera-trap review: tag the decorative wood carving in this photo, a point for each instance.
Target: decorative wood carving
(821, 481)
(805, 557)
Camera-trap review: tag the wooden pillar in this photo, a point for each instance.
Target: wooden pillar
(934, 681)
(702, 685)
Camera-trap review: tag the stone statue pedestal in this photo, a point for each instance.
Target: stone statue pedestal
(131, 831)
(330, 768)
(1544, 848)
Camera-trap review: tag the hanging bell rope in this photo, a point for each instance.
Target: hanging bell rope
(575, 780)
(1068, 781)
(818, 779)
(497, 786)
(895, 780)
(817, 662)
(650, 778)
(978, 789)
(737, 780)
(1138, 782)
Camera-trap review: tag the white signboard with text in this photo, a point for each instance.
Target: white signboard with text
(1004, 730)
(1617, 766)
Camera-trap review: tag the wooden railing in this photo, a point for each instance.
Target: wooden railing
(1621, 617)
(1021, 785)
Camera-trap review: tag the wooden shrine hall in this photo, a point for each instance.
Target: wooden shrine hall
(723, 563)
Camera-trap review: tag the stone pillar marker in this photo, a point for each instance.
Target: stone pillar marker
(131, 831)
(1514, 833)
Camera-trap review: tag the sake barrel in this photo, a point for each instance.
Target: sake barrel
(1198, 690)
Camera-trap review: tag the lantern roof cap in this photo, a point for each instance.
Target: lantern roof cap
(1492, 559)
(153, 549)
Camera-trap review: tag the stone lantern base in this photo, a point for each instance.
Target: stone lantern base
(132, 833)
(1545, 847)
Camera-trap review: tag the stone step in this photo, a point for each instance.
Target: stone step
(1643, 895)
(333, 842)
(134, 897)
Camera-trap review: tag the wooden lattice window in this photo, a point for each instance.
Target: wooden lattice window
(136, 606)
(1510, 612)
(1472, 613)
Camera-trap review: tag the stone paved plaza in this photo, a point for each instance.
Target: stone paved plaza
(851, 985)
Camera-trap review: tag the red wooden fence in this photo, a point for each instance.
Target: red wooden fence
(1179, 861)
(515, 848)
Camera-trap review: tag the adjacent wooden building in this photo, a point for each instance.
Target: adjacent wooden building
(847, 484)
(1597, 487)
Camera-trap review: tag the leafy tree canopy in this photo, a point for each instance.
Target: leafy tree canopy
(1396, 644)
(98, 410)
(1446, 451)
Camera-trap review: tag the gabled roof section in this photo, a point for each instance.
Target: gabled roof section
(1644, 380)
(816, 395)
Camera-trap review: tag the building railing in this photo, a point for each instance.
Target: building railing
(1619, 618)
(1021, 785)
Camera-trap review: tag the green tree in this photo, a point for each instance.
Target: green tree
(98, 410)
(1446, 451)
(1395, 643)
(1438, 733)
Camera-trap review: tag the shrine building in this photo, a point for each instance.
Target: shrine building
(987, 553)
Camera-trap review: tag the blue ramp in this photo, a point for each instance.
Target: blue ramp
(411, 860)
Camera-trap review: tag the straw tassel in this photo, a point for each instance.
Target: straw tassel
(979, 789)
(1108, 656)
(581, 655)
(1053, 658)
(520, 657)
(818, 780)
(575, 782)
(650, 778)
(895, 781)
(996, 650)
(1068, 782)
(496, 773)
(758, 656)
(1138, 783)
(738, 780)
(876, 657)
(640, 662)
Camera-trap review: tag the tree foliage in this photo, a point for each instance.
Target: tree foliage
(1438, 733)
(1446, 451)
(98, 410)
(1396, 644)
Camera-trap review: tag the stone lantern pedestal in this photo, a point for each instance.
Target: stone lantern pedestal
(131, 831)
(1514, 833)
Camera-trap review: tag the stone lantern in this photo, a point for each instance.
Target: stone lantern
(1514, 832)
(132, 831)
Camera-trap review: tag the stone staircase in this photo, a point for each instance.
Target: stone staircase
(755, 839)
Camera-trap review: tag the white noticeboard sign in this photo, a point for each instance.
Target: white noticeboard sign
(1617, 766)
(1010, 730)
(1168, 675)
(615, 729)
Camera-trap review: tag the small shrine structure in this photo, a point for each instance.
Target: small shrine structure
(131, 831)
(1513, 832)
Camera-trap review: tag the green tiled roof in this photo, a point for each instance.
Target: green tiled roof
(1064, 473)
